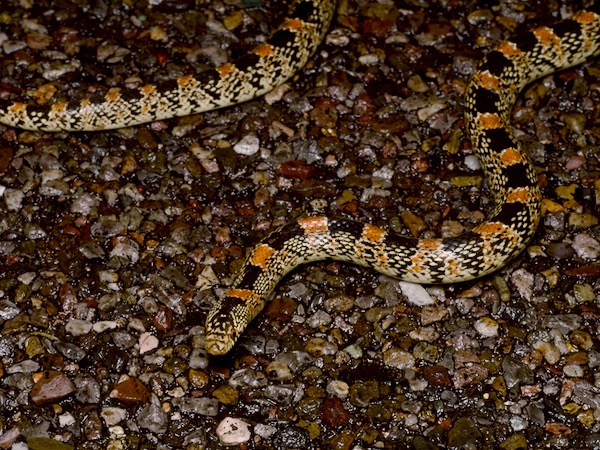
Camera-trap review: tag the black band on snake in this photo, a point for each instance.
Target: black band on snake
(488, 101)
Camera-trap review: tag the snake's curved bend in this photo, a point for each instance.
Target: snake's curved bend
(488, 100)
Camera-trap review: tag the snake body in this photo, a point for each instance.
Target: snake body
(489, 97)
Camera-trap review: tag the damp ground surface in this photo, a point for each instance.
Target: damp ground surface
(114, 245)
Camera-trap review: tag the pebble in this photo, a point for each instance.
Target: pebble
(226, 395)
(320, 347)
(113, 415)
(88, 389)
(582, 221)
(130, 392)
(363, 392)
(152, 418)
(335, 413)
(148, 342)
(233, 431)
(77, 327)
(264, 431)
(437, 376)
(586, 247)
(27, 366)
(486, 326)
(66, 420)
(415, 294)
(13, 199)
(339, 304)
(43, 443)
(431, 314)
(278, 370)
(516, 372)
(338, 388)
(203, 406)
(281, 393)
(354, 351)
(248, 378)
(248, 145)
(573, 370)
(319, 319)
(399, 359)
(523, 281)
(51, 386)
(70, 351)
(464, 432)
(548, 350)
(103, 325)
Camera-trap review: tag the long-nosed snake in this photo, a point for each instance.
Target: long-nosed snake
(488, 101)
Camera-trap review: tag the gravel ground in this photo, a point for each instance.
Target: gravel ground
(114, 245)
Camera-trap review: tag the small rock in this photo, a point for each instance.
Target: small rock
(152, 418)
(248, 145)
(232, 431)
(400, 359)
(50, 387)
(77, 327)
(226, 394)
(431, 314)
(198, 405)
(113, 416)
(130, 392)
(415, 294)
(147, 342)
(486, 326)
(335, 413)
(437, 376)
(278, 370)
(338, 388)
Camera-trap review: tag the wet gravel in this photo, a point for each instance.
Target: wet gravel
(113, 245)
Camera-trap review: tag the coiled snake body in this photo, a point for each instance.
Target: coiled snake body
(489, 97)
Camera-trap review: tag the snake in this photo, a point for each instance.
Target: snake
(489, 97)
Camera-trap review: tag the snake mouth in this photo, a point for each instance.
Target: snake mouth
(219, 343)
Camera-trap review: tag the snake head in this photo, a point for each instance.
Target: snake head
(225, 323)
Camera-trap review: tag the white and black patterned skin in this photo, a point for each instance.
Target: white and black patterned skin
(488, 100)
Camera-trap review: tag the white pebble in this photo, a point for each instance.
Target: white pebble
(472, 162)
(232, 431)
(486, 326)
(248, 145)
(77, 327)
(586, 246)
(65, 420)
(104, 325)
(415, 294)
(394, 357)
(13, 199)
(338, 388)
(147, 342)
(368, 60)
(113, 415)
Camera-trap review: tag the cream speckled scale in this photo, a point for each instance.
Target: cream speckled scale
(489, 98)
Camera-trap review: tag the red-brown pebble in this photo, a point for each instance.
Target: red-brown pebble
(334, 412)
(281, 308)
(296, 169)
(437, 376)
(130, 392)
(50, 387)
(163, 320)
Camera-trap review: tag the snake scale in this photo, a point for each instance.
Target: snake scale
(489, 97)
